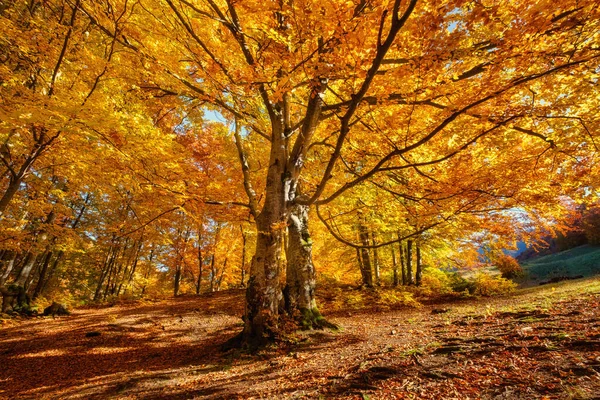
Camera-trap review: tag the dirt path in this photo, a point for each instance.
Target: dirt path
(542, 343)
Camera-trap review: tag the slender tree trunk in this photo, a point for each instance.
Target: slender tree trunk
(9, 268)
(403, 263)
(222, 273)
(52, 270)
(244, 241)
(200, 269)
(213, 273)
(376, 264)
(409, 272)
(9, 193)
(419, 272)
(396, 279)
(135, 264)
(148, 271)
(42, 278)
(366, 272)
(108, 262)
(180, 263)
(26, 270)
(177, 280)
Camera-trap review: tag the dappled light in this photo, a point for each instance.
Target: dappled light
(339, 199)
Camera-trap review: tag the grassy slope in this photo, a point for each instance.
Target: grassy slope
(583, 260)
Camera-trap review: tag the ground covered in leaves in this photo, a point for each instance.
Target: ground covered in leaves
(541, 343)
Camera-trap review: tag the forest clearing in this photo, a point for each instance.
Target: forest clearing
(363, 199)
(541, 343)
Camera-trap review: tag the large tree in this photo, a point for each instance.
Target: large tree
(325, 96)
(322, 97)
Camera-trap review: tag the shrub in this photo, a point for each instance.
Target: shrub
(394, 297)
(508, 267)
(355, 300)
(459, 284)
(436, 282)
(489, 285)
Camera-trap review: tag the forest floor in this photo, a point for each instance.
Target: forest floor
(540, 343)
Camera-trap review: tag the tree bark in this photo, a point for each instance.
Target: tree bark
(220, 279)
(52, 270)
(213, 273)
(9, 268)
(419, 272)
(396, 277)
(200, 263)
(409, 272)
(110, 257)
(299, 292)
(26, 270)
(42, 278)
(243, 267)
(263, 293)
(366, 271)
(376, 265)
(177, 280)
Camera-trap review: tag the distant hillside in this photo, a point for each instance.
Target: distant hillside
(583, 260)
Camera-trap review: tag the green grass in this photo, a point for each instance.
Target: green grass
(583, 260)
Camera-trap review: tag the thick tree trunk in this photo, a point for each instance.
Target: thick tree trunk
(409, 272)
(299, 293)
(263, 293)
(419, 272)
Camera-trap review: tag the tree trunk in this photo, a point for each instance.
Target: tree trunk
(396, 279)
(409, 273)
(148, 271)
(9, 193)
(135, 264)
(213, 273)
(177, 280)
(110, 256)
(376, 264)
(200, 265)
(299, 292)
(26, 270)
(9, 268)
(244, 241)
(42, 279)
(263, 291)
(366, 272)
(57, 260)
(222, 273)
(419, 272)
(403, 263)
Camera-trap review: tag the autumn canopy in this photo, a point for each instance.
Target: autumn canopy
(149, 140)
